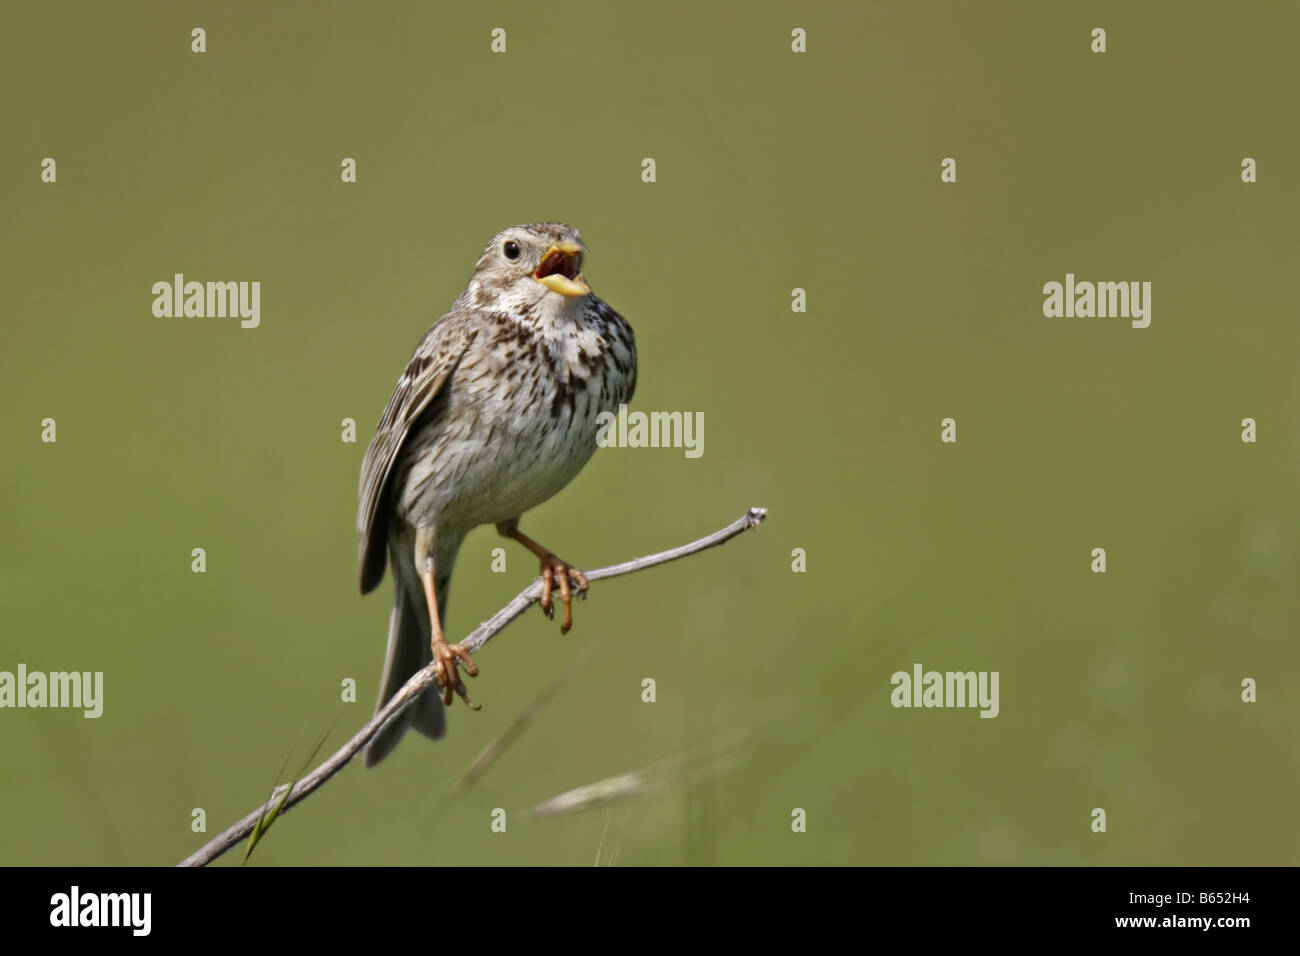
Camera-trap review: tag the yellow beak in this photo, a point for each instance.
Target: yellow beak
(561, 261)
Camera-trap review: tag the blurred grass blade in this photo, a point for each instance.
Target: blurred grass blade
(651, 779)
(268, 817)
(638, 783)
(492, 751)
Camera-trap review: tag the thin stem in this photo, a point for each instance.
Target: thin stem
(423, 678)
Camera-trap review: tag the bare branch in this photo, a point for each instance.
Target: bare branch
(422, 679)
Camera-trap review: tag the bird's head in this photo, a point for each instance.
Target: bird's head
(539, 263)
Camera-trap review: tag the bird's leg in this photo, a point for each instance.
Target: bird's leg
(445, 655)
(554, 571)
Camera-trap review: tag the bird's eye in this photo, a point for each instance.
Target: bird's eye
(511, 249)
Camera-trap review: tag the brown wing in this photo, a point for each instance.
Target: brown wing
(430, 368)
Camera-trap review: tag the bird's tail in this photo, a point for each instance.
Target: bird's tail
(408, 652)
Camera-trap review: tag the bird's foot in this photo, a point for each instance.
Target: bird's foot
(571, 581)
(445, 657)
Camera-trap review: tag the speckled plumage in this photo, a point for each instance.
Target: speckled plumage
(495, 413)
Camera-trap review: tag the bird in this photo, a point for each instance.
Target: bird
(496, 411)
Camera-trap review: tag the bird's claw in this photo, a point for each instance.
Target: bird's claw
(445, 657)
(571, 582)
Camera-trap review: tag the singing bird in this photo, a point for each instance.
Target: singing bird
(495, 413)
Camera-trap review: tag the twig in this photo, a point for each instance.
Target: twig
(423, 678)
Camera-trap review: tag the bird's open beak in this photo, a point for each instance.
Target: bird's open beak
(560, 269)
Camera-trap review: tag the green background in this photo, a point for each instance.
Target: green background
(775, 171)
